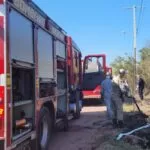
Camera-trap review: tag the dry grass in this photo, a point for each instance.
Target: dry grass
(144, 105)
(128, 108)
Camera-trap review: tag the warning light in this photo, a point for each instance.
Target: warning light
(1, 111)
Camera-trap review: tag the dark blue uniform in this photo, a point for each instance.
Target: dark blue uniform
(141, 85)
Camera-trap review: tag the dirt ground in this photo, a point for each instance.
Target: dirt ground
(82, 132)
(93, 132)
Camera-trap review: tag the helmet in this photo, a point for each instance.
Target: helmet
(122, 71)
(108, 74)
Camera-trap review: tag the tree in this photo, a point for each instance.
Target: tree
(143, 67)
(126, 63)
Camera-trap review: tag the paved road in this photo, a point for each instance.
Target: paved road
(83, 132)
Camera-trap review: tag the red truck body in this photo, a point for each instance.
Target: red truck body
(74, 63)
(37, 61)
(93, 78)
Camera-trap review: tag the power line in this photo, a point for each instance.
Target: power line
(141, 23)
(140, 17)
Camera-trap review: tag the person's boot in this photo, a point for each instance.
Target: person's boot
(114, 121)
(120, 124)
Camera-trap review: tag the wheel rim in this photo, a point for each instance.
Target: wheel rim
(43, 132)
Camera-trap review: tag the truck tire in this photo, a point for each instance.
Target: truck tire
(66, 124)
(77, 114)
(44, 129)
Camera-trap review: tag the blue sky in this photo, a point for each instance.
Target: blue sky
(97, 25)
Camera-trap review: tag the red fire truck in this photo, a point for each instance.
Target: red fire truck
(74, 77)
(94, 70)
(39, 74)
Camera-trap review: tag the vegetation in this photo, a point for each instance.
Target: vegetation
(143, 67)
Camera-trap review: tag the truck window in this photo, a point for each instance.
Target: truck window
(93, 65)
(21, 37)
(94, 73)
(60, 49)
(45, 55)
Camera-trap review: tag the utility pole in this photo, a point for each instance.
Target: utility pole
(134, 45)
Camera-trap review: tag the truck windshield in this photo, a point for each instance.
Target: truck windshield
(93, 64)
(93, 73)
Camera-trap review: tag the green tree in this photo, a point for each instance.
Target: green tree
(126, 63)
(144, 65)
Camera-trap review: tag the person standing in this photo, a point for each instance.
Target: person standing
(121, 80)
(106, 92)
(140, 87)
(117, 105)
(119, 92)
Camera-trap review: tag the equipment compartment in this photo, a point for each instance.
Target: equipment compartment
(22, 100)
(61, 88)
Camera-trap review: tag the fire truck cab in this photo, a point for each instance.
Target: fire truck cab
(94, 70)
(35, 76)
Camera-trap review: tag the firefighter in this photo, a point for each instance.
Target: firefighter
(120, 90)
(117, 105)
(106, 94)
(121, 80)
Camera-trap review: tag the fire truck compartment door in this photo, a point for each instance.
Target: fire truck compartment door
(21, 37)
(45, 54)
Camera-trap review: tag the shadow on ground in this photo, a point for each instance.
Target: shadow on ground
(93, 102)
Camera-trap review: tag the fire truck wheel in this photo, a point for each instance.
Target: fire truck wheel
(76, 115)
(44, 129)
(66, 124)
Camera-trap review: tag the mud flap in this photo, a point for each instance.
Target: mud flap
(26, 145)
